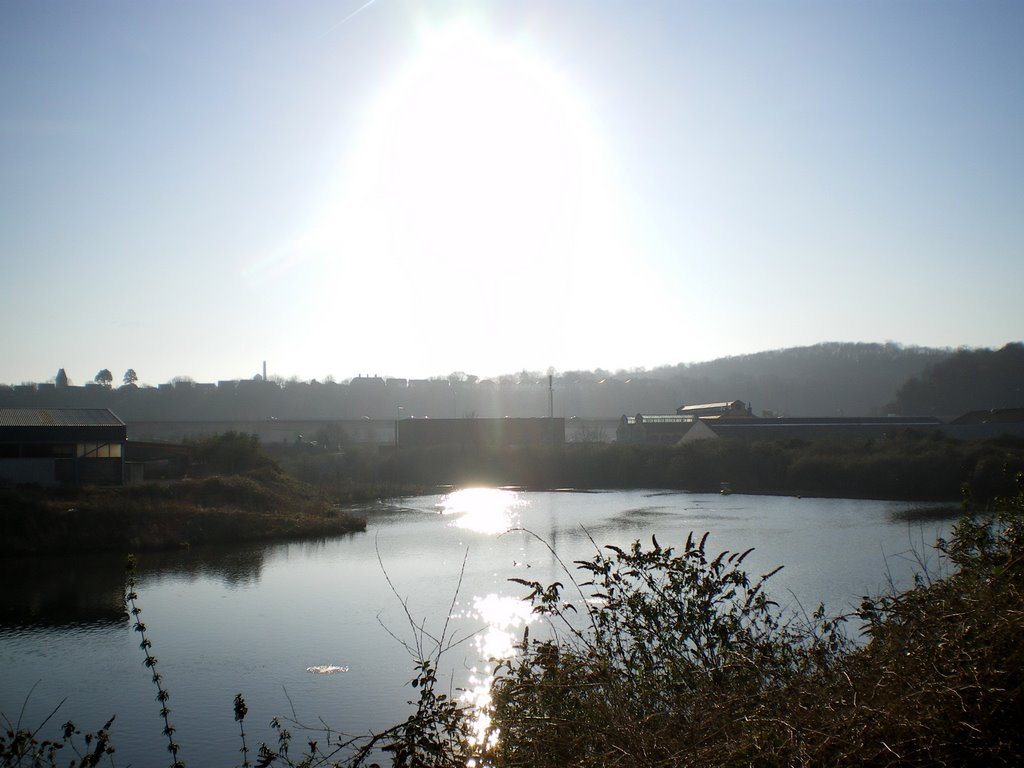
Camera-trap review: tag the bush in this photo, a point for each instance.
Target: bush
(679, 652)
(230, 453)
(685, 661)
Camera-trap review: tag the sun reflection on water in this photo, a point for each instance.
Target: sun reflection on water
(492, 511)
(504, 616)
(484, 510)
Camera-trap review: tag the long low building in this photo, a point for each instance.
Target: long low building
(51, 446)
(682, 428)
(821, 428)
(479, 433)
(663, 429)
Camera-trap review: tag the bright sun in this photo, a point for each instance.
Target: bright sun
(479, 161)
(478, 197)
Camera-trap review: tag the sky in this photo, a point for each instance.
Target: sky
(410, 189)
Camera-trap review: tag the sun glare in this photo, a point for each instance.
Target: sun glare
(483, 139)
(479, 165)
(484, 510)
(477, 194)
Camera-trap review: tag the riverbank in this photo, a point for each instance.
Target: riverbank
(262, 505)
(906, 466)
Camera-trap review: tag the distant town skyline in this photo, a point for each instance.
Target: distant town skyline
(410, 189)
(264, 370)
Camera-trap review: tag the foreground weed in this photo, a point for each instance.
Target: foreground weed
(21, 745)
(162, 695)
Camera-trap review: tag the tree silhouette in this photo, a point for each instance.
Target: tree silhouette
(104, 377)
(130, 377)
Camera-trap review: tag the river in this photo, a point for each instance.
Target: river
(319, 630)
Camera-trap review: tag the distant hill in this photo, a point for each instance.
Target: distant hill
(829, 379)
(967, 380)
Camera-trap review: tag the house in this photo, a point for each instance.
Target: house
(52, 446)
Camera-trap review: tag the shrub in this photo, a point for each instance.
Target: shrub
(680, 649)
(684, 661)
(230, 453)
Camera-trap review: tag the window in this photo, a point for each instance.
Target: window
(98, 450)
(47, 451)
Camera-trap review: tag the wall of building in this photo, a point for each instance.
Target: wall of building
(480, 433)
(40, 471)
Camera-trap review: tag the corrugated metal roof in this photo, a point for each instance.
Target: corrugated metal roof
(58, 417)
(709, 406)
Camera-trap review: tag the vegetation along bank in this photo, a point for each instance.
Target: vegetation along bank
(906, 465)
(235, 493)
(680, 658)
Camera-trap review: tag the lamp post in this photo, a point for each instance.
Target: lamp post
(398, 416)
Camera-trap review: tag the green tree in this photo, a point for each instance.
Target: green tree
(104, 378)
(130, 377)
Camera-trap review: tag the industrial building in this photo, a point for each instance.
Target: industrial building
(479, 433)
(687, 424)
(734, 419)
(730, 409)
(664, 429)
(53, 446)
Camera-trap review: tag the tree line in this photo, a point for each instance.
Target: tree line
(907, 465)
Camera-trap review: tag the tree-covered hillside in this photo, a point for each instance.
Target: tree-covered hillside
(830, 379)
(969, 379)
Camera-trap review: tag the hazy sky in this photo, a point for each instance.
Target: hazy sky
(415, 188)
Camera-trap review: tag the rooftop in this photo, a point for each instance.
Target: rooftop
(58, 417)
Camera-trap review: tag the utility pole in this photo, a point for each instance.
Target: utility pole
(551, 407)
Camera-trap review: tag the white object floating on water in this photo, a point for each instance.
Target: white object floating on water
(326, 669)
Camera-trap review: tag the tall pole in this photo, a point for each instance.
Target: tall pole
(551, 406)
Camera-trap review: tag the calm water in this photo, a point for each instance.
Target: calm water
(255, 620)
